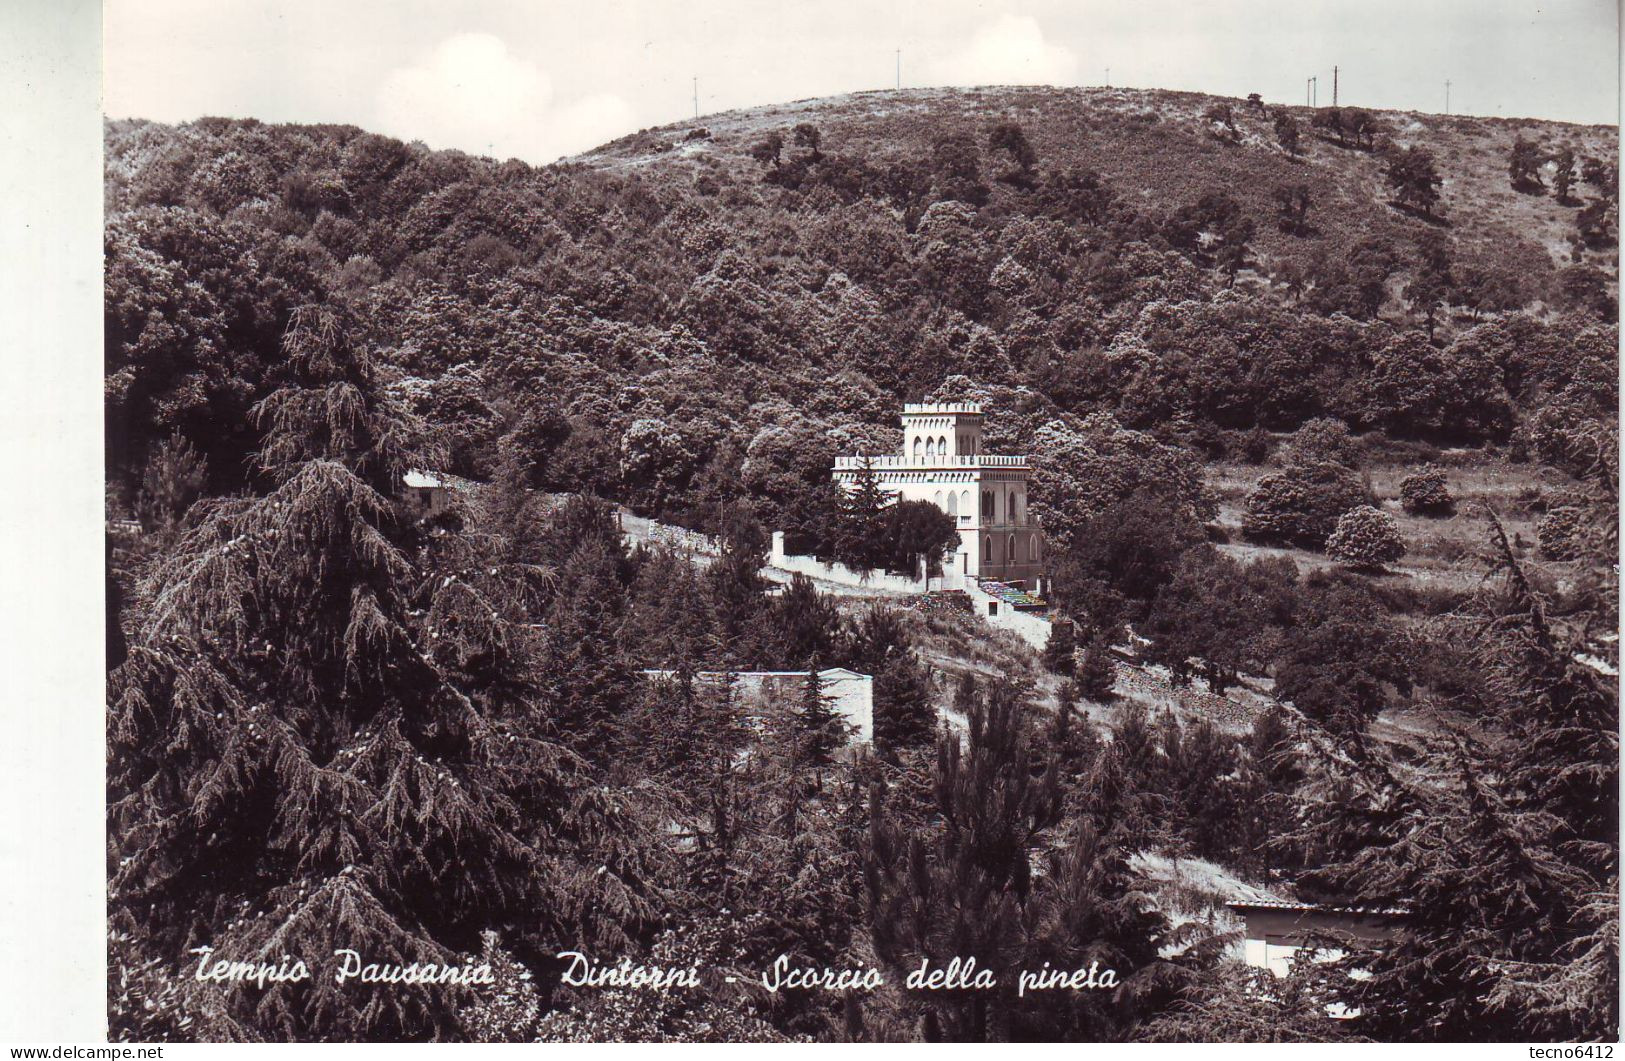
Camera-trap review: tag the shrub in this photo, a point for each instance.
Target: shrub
(1060, 653)
(1366, 538)
(1300, 506)
(1097, 673)
(1426, 493)
(1321, 441)
(1558, 533)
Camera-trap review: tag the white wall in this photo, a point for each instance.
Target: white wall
(851, 694)
(813, 567)
(1031, 628)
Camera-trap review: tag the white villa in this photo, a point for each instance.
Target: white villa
(942, 462)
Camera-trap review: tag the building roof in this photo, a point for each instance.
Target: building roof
(1287, 904)
(418, 479)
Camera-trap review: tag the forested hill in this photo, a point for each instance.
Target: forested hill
(1161, 149)
(736, 299)
(335, 721)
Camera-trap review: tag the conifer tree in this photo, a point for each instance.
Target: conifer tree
(821, 731)
(904, 712)
(736, 589)
(585, 675)
(1501, 847)
(174, 478)
(291, 772)
(1060, 652)
(805, 622)
(1097, 674)
(967, 889)
(860, 531)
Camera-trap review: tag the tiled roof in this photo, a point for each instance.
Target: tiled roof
(1287, 904)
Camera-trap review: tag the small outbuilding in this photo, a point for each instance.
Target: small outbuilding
(1276, 930)
(429, 494)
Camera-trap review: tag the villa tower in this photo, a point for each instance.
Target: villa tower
(942, 462)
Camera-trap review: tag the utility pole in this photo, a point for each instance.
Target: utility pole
(1334, 86)
(696, 97)
(1447, 96)
(1108, 77)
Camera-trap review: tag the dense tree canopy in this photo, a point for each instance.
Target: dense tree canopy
(337, 720)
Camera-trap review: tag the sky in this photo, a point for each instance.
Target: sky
(538, 79)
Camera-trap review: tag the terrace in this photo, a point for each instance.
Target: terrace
(890, 463)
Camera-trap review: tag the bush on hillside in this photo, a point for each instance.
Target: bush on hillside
(1366, 538)
(1301, 505)
(1426, 493)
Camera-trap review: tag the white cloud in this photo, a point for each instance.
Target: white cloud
(473, 93)
(1010, 50)
(590, 121)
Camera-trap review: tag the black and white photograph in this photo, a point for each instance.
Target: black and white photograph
(856, 522)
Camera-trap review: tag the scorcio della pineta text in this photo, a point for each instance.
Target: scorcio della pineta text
(959, 974)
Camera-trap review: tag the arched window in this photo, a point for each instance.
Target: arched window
(987, 550)
(916, 447)
(953, 502)
(987, 506)
(965, 508)
(1018, 513)
(930, 447)
(1035, 547)
(942, 445)
(1010, 545)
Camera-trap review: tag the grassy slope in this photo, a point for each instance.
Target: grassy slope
(1441, 553)
(1153, 146)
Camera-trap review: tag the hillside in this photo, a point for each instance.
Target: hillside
(671, 314)
(1158, 147)
(1274, 393)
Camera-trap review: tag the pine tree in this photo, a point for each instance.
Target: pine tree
(736, 591)
(805, 622)
(821, 731)
(1519, 818)
(1060, 651)
(291, 772)
(1072, 737)
(585, 675)
(860, 528)
(967, 889)
(173, 479)
(1098, 673)
(905, 713)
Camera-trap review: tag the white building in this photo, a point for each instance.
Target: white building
(426, 492)
(851, 694)
(942, 462)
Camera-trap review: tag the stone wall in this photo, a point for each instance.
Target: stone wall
(878, 581)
